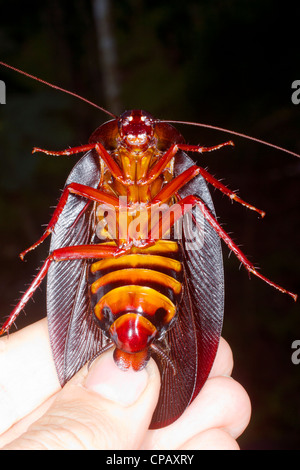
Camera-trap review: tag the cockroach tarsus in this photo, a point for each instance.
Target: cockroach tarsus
(126, 279)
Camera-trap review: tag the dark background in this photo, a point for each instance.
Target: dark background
(228, 63)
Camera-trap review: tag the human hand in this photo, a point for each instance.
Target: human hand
(105, 408)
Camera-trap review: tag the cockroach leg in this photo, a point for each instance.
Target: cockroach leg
(173, 186)
(111, 164)
(160, 165)
(160, 352)
(185, 205)
(201, 149)
(69, 151)
(61, 254)
(193, 201)
(80, 190)
(171, 152)
(102, 152)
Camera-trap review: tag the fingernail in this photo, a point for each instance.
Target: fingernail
(106, 379)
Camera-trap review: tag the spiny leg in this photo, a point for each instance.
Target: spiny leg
(102, 152)
(174, 185)
(184, 205)
(61, 254)
(177, 183)
(171, 152)
(69, 151)
(80, 190)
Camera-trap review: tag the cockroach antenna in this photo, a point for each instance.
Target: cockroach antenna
(239, 134)
(51, 85)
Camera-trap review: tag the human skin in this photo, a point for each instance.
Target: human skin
(105, 408)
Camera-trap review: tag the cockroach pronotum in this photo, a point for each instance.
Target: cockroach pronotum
(135, 259)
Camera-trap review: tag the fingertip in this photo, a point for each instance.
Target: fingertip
(108, 381)
(212, 439)
(232, 402)
(223, 364)
(99, 408)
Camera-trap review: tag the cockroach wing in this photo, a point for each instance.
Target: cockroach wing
(192, 341)
(74, 337)
(194, 338)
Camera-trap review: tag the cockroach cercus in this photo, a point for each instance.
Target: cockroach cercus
(135, 259)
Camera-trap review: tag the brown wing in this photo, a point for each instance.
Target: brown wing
(194, 339)
(74, 337)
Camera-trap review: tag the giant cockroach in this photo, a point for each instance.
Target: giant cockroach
(123, 272)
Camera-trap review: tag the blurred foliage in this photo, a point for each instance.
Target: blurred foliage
(230, 63)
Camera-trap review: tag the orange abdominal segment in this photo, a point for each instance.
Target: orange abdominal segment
(133, 276)
(134, 298)
(137, 261)
(139, 299)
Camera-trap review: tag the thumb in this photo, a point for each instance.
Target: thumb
(101, 408)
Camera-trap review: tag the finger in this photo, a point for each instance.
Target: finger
(222, 403)
(21, 426)
(103, 408)
(212, 439)
(28, 375)
(223, 363)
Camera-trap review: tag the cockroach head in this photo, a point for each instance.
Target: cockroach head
(136, 128)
